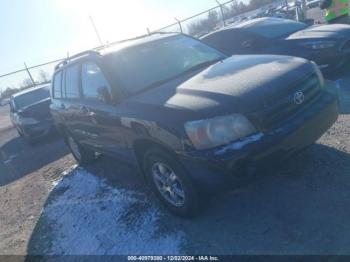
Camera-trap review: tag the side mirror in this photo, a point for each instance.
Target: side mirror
(103, 94)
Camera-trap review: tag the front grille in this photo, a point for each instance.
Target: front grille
(282, 107)
(346, 46)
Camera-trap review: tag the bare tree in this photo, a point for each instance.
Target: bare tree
(43, 77)
(26, 83)
(211, 22)
(8, 92)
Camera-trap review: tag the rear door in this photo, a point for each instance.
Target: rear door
(102, 118)
(71, 102)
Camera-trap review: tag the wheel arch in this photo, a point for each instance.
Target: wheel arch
(140, 147)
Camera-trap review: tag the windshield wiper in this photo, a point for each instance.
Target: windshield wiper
(201, 65)
(153, 85)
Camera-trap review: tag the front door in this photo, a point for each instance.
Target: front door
(102, 122)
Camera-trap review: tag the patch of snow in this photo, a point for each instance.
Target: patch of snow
(88, 217)
(64, 173)
(240, 144)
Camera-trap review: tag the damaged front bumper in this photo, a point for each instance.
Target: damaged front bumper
(36, 131)
(211, 169)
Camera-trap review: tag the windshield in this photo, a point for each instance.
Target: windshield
(147, 64)
(276, 28)
(32, 97)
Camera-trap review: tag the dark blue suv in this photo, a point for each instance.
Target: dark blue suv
(188, 115)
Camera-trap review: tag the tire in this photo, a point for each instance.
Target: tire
(82, 155)
(178, 193)
(30, 141)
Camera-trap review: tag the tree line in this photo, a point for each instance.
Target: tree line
(43, 78)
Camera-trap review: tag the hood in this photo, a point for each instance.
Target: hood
(322, 31)
(238, 84)
(39, 110)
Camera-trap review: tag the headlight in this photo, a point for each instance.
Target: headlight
(319, 74)
(218, 131)
(27, 121)
(316, 45)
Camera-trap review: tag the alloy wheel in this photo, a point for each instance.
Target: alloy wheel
(168, 184)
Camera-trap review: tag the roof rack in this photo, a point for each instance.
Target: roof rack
(85, 53)
(95, 51)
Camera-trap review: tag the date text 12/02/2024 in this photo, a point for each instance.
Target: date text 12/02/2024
(173, 258)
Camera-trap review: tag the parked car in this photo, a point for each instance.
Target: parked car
(327, 45)
(30, 112)
(4, 101)
(188, 115)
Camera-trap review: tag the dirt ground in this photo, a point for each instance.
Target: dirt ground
(51, 206)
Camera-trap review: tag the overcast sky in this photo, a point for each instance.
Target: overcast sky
(35, 31)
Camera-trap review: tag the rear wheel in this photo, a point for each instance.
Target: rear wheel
(81, 154)
(170, 183)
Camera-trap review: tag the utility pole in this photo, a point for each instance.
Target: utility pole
(30, 75)
(95, 29)
(222, 12)
(179, 22)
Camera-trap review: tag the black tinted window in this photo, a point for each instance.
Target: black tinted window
(94, 84)
(57, 81)
(31, 97)
(228, 41)
(275, 28)
(72, 82)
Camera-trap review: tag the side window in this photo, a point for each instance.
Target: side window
(221, 40)
(57, 83)
(243, 40)
(72, 82)
(94, 83)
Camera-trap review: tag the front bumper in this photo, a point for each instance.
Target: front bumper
(330, 60)
(38, 130)
(214, 168)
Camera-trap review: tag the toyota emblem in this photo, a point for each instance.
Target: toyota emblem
(299, 97)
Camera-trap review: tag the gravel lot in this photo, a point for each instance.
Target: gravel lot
(51, 206)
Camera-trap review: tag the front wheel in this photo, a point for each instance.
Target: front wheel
(82, 155)
(170, 183)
